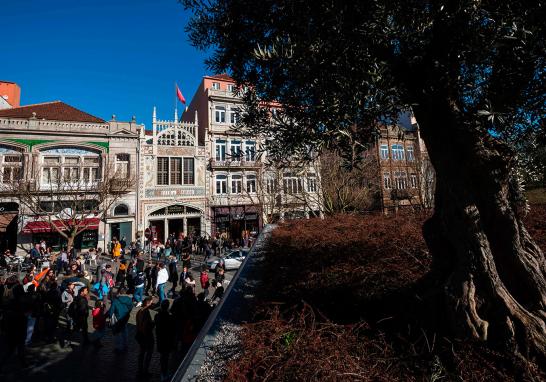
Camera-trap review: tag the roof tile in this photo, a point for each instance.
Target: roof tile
(55, 111)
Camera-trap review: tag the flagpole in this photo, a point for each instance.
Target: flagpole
(175, 103)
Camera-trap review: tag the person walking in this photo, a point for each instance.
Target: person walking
(162, 278)
(116, 249)
(165, 336)
(119, 314)
(148, 273)
(99, 322)
(173, 275)
(139, 282)
(67, 297)
(204, 278)
(145, 336)
(79, 311)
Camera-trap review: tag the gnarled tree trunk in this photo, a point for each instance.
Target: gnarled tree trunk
(492, 273)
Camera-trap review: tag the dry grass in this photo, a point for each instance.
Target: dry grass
(339, 302)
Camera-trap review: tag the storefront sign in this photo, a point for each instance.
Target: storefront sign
(166, 192)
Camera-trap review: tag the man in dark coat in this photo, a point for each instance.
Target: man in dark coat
(165, 336)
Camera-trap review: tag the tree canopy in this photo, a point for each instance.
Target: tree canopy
(474, 74)
(339, 67)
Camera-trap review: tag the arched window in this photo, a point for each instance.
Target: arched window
(121, 210)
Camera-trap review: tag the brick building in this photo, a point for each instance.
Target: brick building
(407, 177)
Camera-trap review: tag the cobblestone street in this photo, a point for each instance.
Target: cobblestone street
(74, 362)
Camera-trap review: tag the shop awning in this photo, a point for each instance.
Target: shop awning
(5, 220)
(44, 226)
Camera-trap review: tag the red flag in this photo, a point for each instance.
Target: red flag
(180, 96)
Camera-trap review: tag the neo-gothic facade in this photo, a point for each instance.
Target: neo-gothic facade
(172, 189)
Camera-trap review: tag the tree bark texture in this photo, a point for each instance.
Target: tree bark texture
(491, 271)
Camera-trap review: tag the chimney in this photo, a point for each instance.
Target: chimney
(11, 93)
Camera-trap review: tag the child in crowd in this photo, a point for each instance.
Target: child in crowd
(99, 322)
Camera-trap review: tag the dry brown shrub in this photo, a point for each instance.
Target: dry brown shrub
(337, 303)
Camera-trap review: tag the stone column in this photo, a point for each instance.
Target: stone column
(165, 230)
(185, 226)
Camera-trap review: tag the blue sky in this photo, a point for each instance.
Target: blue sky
(105, 57)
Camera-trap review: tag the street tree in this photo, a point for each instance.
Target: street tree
(69, 201)
(473, 72)
(349, 189)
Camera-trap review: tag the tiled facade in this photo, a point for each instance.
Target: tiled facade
(193, 175)
(32, 147)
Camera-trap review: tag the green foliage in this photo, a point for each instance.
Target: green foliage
(339, 67)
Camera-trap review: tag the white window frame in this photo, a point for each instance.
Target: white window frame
(221, 184)
(220, 114)
(236, 150)
(250, 151)
(251, 183)
(221, 149)
(410, 153)
(216, 86)
(384, 151)
(397, 152)
(236, 184)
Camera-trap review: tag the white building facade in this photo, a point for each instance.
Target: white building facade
(172, 190)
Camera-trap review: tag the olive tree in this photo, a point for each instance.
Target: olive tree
(472, 71)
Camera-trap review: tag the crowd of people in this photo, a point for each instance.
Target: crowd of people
(59, 299)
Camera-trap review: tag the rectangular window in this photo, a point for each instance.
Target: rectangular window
(188, 171)
(409, 151)
(122, 165)
(86, 174)
(6, 176)
(216, 85)
(400, 180)
(311, 183)
(235, 147)
(271, 185)
(251, 184)
(250, 151)
(91, 160)
(236, 184)
(397, 152)
(13, 159)
(162, 171)
(71, 160)
(95, 174)
(234, 115)
(74, 174)
(384, 152)
(231, 88)
(176, 171)
(221, 184)
(292, 184)
(220, 150)
(413, 180)
(387, 180)
(220, 114)
(51, 160)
